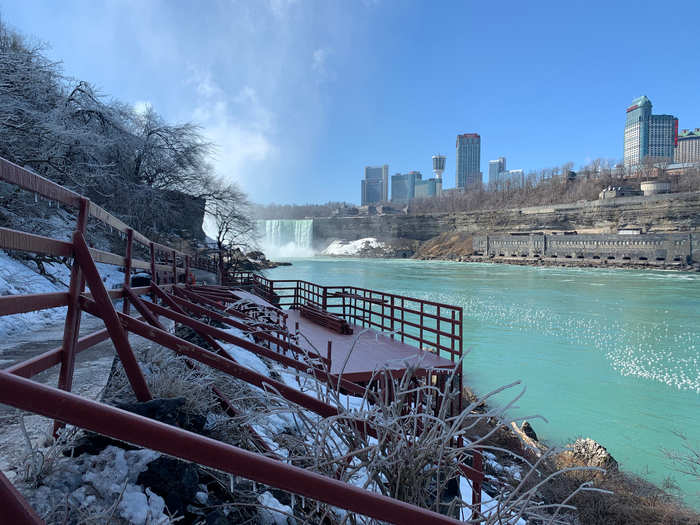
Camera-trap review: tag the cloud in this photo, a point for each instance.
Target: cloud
(240, 126)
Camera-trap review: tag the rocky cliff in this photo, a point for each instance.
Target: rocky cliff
(659, 213)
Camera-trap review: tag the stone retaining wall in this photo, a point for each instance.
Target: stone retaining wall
(667, 248)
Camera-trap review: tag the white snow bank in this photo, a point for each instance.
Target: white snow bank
(273, 512)
(93, 483)
(352, 247)
(489, 505)
(18, 278)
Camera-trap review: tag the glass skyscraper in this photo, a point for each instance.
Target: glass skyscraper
(403, 186)
(375, 185)
(468, 160)
(648, 135)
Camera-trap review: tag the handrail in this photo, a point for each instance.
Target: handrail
(64, 406)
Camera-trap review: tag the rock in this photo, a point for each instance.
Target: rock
(216, 517)
(93, 444)
(527, 429)
(169, 411)
(592, 454)
(177, 482)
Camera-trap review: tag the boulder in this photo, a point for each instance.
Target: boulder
(592, 454)
(527, 429)
(177, 482)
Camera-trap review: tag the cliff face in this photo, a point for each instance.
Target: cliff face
(659, 213)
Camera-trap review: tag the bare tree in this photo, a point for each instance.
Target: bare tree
(229, 210)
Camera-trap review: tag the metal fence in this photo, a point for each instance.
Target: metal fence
(167, 266)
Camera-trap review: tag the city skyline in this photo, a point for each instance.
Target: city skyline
(342, 85)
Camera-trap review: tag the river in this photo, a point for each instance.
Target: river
(606, 354)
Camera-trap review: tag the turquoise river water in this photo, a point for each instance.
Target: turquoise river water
(606, 354)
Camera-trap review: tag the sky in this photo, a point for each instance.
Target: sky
(299, 96)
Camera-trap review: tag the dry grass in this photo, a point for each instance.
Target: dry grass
(415, 454)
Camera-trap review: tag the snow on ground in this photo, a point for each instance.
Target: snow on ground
(18, 278)
(273, 512)
(270, 425)
(338, 248)
(93, 483)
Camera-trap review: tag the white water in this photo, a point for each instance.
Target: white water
(286, 237)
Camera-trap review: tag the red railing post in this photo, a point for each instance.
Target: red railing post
(15, 508)
(154, 275)
(174, 267)
(71, 327)
(110, 318)
(328, 355)
(127, 267)
(187, 269)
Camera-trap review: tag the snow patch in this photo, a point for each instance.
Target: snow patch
(273, 512)
(352, 247)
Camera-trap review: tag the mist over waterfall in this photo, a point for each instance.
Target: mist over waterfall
(281, 238)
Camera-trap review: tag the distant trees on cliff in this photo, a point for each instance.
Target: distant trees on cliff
(548, 186)
(296, 211)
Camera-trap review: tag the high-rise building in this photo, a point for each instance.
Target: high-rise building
(375, 185)
(428, 188)
(499, 175)
(496, 167)
(648, 135)
(688, 149)
(403, 186)
(468, 160)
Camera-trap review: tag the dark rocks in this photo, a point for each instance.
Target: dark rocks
(174, 480)
(527, 429)
(169, 411)
(93, 444)
(216, 517)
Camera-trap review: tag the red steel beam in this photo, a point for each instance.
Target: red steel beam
(201, 310)
(216, 333)
(226, 336)
(28, 242)
(142, 309)
(41, 362)
(105, 310)
(204, 356)
(169, 299)
(125, 426)
(19, 304)
(205, 300)
(223, 400)
(15, 508)
(23, 178)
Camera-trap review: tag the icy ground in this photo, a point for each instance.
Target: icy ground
(17, 277)
(339, 248)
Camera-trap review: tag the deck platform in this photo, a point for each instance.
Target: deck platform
(372, 351)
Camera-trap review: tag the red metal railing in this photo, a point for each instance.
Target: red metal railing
(166, 266)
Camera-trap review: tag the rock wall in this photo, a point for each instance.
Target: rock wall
(657, 213)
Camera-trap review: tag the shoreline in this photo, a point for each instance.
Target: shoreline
(566, 263)
(535, 262)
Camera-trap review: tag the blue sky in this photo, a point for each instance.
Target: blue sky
(301, 95)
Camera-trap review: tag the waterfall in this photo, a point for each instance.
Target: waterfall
(286, 238)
